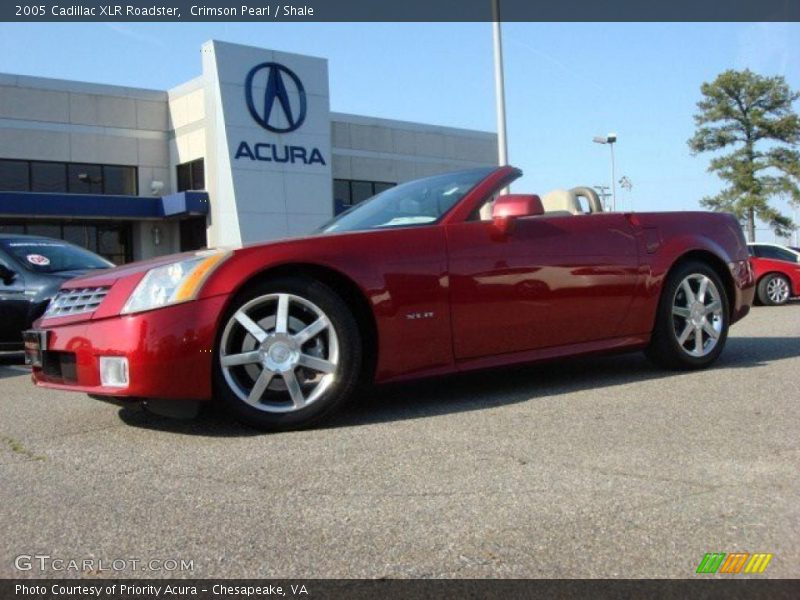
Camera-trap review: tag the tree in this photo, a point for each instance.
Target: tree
(753, 115)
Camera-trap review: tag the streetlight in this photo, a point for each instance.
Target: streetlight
(609, 139)
(499, 85)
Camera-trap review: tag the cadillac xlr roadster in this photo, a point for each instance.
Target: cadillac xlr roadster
(435, 276)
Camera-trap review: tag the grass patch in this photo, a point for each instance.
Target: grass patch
(18, 448)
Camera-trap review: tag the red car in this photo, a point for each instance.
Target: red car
(777, 271)
(434, 276)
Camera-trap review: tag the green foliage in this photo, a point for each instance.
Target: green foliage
(753, 115)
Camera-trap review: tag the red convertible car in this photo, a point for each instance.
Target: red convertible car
(777, 272)
(434, 276)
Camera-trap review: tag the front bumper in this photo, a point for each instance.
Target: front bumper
(744, 289)
(169, 352)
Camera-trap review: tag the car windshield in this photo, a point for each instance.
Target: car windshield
(52, 256)
(419, 202)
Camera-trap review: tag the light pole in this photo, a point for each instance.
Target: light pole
(499, 85)
(610, 139)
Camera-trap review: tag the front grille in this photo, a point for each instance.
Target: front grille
(75, 301)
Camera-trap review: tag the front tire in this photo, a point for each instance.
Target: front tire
(288, 354)
(692, 320)
(774, 290)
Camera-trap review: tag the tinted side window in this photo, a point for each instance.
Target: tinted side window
(776, 253)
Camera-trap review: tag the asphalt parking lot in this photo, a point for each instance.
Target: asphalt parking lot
(603, 467)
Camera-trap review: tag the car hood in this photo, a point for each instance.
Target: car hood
(107, 277)
(74, 273)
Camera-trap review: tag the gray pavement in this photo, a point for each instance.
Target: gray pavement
(603, 467)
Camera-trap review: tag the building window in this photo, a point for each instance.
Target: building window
(80, 235)
(119, 180)
(48, 177)
(109, 239)
(341, 194)
(71, 178)
(12, 228)
(360, 191)
(382, 187)
(348, 192)
(85, 179)
(191, 175)
(14, 175)
(43, 230)
(193, 234)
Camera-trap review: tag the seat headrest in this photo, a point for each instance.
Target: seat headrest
(561, 201)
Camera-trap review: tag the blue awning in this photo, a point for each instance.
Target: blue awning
(97, 206)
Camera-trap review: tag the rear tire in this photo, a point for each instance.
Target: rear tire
(288, 354)
(692, 320)
(774, 290)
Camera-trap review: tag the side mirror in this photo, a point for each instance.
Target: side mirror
(509, 207)
(6, 274)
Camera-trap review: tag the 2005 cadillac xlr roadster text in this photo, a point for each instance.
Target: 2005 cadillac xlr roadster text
(434, 276)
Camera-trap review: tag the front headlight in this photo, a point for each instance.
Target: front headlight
(173, 283)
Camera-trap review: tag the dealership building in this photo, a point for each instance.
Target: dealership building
(248, 151)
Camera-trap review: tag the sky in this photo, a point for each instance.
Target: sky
(565, 83)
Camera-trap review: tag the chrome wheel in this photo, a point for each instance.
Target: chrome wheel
(778, 290)
(279, 353)
(697, 315)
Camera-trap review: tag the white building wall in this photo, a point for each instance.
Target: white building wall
(52, 119)
(373, 149)
(187, 135)
(145, 236)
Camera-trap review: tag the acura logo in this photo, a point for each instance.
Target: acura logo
(263, 109)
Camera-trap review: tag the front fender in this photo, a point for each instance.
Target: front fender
(733, 267)
(400, 272)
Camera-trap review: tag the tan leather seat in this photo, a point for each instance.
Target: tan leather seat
(561, 201)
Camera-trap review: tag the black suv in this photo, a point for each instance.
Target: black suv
(31, 271)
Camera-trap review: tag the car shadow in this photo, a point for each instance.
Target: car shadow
(485, 389)
(211, 422)
(11, 359)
